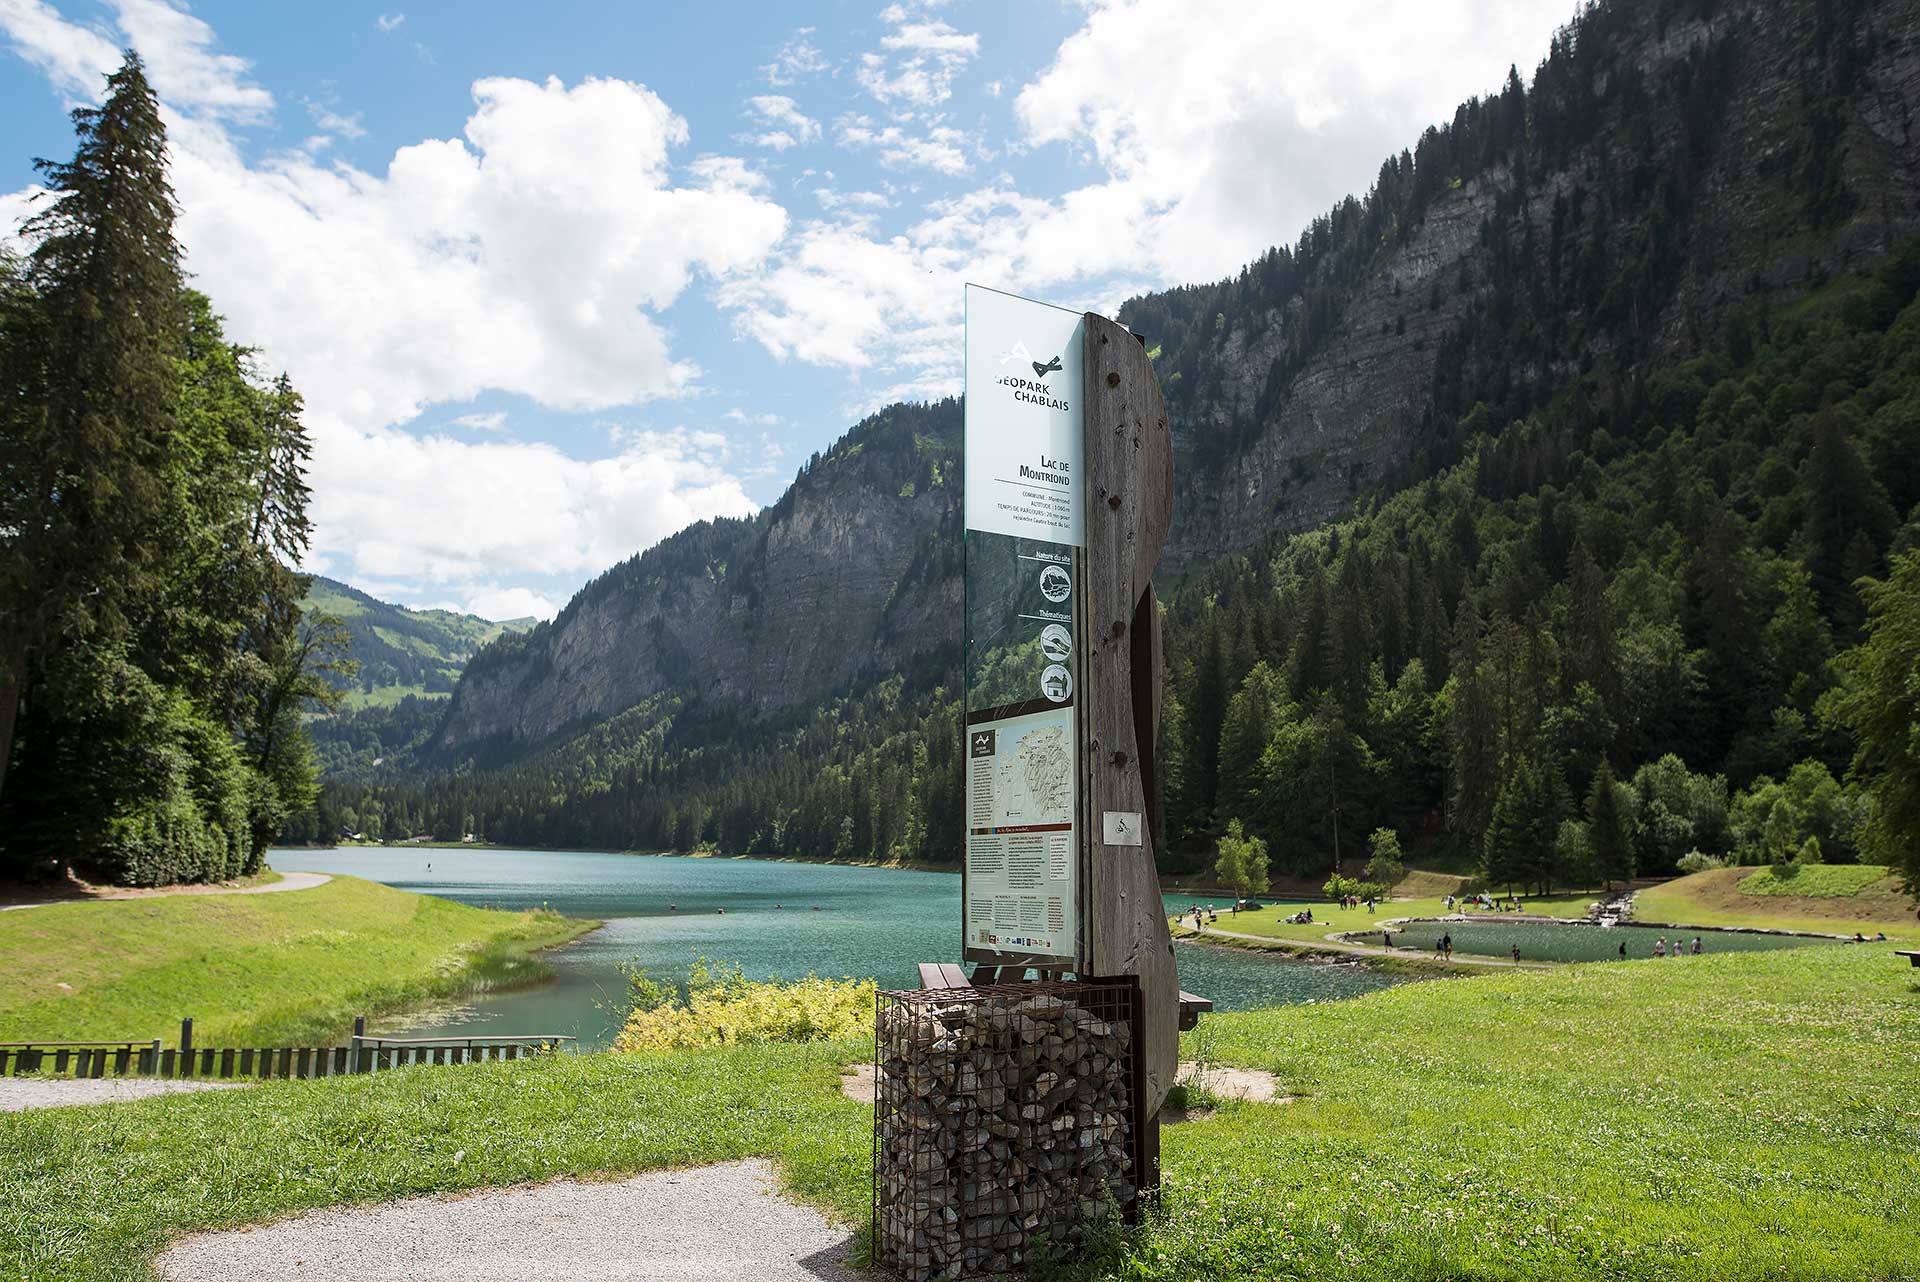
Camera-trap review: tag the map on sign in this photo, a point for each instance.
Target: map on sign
(1036, 783)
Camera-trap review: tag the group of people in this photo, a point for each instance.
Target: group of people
(1202, 917)
(1511, 904)
(1354, 901)
(1660, 947)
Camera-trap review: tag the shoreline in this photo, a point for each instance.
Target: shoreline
(909, 865)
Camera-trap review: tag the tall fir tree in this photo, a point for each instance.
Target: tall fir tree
(86, 457)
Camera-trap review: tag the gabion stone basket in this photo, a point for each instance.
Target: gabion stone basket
(1003, 1123)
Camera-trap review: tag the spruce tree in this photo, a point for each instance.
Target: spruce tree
(1612, 844)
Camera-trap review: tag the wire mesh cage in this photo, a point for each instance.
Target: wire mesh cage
(1004, 1123)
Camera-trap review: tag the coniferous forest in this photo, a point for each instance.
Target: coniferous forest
(155, 667)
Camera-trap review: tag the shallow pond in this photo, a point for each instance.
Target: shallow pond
(1548, 941)
(772, 919)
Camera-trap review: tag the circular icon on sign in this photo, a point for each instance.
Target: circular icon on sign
(1055, 584)
(1055, 643)
(1057, 683)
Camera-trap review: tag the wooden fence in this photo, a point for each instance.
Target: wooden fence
(362, 1054)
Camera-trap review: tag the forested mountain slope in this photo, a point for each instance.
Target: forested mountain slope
(1669, 162)
(399, 651)
(1533, 310)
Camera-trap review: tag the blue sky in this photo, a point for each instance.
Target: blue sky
(557, 280)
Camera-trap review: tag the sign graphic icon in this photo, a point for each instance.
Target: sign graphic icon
(1056, 683)
(1055, 643)
(1041, 371)
(1122, 827)
(1055, 584)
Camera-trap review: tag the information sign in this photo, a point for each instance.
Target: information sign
(1025, 526)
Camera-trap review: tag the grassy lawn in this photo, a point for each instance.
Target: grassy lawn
(1752, 1117)
(95, 1193)
(1820, 902)
(1822, 881)
(1742, 1117)
(1271, 922)
(261, 969)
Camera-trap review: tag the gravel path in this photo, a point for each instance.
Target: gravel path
(288, 881)
(709, 1224)
(20, 1093)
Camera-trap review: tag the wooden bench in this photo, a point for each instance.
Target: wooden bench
(1913, 957)
(948, 975)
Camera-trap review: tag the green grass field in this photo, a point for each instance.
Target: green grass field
(277, 969)
(1822, 881)
(1829, 898)
(1741, 1117)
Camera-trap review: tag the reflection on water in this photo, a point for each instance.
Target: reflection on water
(770, 918)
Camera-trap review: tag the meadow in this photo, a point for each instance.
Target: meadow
(279, 969)
(1743, 1117)
(1834, 899)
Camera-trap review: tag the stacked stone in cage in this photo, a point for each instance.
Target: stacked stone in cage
(1002, 1126)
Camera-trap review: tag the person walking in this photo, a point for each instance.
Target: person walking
(1696, 945)
(1516, 954)
(1446, 946)
(1660, 946)
(1623, 950)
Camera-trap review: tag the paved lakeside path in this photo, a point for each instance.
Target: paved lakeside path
(288, 881)
(1334, 945)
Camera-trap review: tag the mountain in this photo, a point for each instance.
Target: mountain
(1518, 328)
(851, 576)
(403, 652)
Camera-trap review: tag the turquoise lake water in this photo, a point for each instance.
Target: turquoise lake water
(772, 919)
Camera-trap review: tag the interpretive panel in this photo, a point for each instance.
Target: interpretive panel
(1025, 524)
(1021, 854)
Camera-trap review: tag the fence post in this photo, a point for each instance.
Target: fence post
(355, 1063)
(186, 1037)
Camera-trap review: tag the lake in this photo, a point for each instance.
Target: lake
(772, 919)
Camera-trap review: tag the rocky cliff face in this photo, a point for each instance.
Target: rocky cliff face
(1660, 174)
(846, 577)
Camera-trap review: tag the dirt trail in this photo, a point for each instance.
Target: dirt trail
(288, 881)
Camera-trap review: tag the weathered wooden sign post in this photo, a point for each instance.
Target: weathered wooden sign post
(1069, 495)
(1004, 1111)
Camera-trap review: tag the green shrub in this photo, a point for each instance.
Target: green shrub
(724, 1008)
